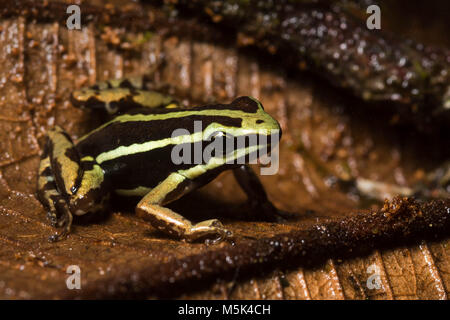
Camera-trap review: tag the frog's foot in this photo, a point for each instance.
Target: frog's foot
(172, 223)
(268, 212)
(58, 214)
(208, 229)
(63, 221)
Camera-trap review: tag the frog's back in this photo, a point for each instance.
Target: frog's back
(135, 149)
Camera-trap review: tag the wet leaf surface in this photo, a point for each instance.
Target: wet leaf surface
(329, 251)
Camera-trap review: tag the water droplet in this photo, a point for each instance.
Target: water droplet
(402, 62)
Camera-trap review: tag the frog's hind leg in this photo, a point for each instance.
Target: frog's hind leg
(151, 208)
(117, 96)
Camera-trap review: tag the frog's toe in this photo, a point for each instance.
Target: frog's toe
(64, 221)
(57, 237)
(52, 218)
(209, 228)
(223, 234)
(60, 235)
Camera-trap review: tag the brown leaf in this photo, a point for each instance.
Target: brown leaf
(328, 252)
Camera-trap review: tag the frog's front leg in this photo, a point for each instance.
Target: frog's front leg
(256, 194)
(54, 167)
(58, 212)
(173, 187)
(67, 184)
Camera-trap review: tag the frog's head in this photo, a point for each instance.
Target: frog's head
(251, 131)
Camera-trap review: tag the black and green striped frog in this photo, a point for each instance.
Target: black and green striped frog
(131, 155)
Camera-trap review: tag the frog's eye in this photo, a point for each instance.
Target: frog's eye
(223, 137)
(220, 135)
(222, 143)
